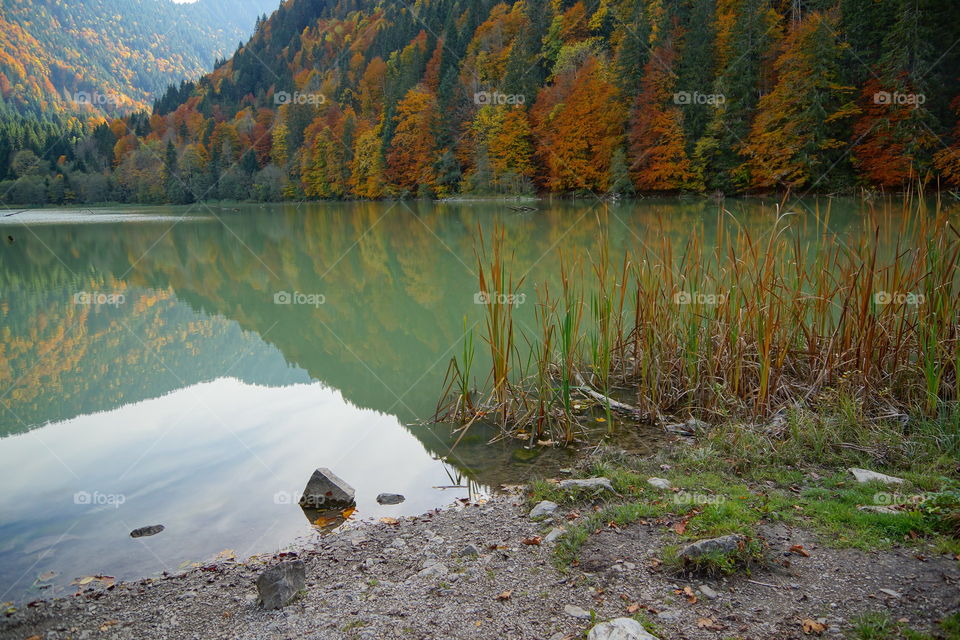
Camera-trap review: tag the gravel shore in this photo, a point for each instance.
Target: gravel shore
(419, 577)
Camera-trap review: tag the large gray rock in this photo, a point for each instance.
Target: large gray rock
(543, 509)
(327, 491)
(865, 475)
(620, 629)
(280, 584)
(587, 483)
(723, 544)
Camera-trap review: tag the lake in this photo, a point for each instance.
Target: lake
(191, 366)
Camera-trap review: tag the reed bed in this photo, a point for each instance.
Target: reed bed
(741, 327)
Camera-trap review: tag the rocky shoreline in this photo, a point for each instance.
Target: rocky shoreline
(487, 570)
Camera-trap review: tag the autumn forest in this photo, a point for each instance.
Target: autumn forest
(357, 99)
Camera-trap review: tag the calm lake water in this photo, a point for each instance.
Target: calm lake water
(192, 366)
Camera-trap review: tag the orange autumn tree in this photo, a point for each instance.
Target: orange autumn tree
(658, 153)
(799, 134)
(577, 125)
(413, 150)
(947, 161)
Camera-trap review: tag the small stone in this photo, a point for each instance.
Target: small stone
(325, 490)
(398, 543)
(152, 530)
(187, 595)
(891, 593)
(279, 584)
(543, 509)
(659, 483)
(467, 551)
(620, 629)
(877, 508)
(669, 616)
(555, 533)
(723, 544)
(587, 483)
(708, 593)
(434, 570)
(390, 498)
(865, 475)
(576, 612)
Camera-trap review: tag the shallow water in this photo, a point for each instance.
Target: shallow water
(194, 368)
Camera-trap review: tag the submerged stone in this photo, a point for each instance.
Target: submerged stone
(390, 498)
(152, 530)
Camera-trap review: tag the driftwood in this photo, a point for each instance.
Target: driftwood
(613, 404)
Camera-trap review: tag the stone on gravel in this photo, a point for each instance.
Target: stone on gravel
(390, 498)
(467, 551)
(620, 629)
(152, 530)
(891, 593)
(326, 490)
(708, 593)
(543, 509)
(279, 584)
(865, 475)
(555, 533)
(576, 612)
(723, 544)
(437, 569)
(659, 483)
(587, 483)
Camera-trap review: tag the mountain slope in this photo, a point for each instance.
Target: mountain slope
(114, 55)
(372, 99)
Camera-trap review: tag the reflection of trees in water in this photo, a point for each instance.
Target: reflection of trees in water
(398, 280)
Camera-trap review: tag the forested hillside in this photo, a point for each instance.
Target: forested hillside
(64, 63)
(365, 99)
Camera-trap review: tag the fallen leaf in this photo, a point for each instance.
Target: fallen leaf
(690, 595)
(226, 554)
(799, 550)
(573, 515)
(109, 623)
(812, 626)
(325, 521)
(49, 575)
(535, 540)
(349, 511)
(680, 527)
(34, 637)
(706, 623)
(388, 520)
(601, 419)
(633, 608)
(505, 595)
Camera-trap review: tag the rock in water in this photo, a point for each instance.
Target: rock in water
(620, 629)
(390, 498)
(865, 475)
(152, 530)
(279, 584)
(543, 508)
(723, 544)
(327, 491)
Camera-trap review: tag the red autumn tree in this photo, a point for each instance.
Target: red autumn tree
(413, 150)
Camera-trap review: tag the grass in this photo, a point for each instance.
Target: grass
(737, 326)
(732, 482)
(881, 626)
